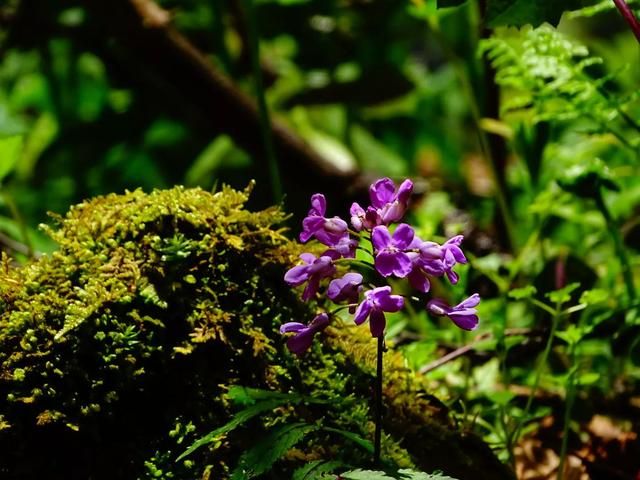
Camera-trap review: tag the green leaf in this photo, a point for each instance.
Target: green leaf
(365, 475)
(357, 439)
(240, 418)
(315, 470)
(563, 295)
(413, 475)
(522, 293)
(261, 457)
(522, 12)
(249, 396)
(596, 295)
(10, 148)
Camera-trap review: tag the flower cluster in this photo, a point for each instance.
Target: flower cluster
(395, 252)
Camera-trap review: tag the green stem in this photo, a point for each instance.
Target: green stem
(218, 32)
(569, 387)
(536, 382)
(263, 110)
(378, 398)
(618, 245)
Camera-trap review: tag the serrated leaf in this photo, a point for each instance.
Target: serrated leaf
(596, 295)
(240, 418)
(522, 293)
(10, 148)
(315, 470)
(261, 457)
(357, 439)
(365, 475)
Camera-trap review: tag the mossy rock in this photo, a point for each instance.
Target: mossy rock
(116, 351)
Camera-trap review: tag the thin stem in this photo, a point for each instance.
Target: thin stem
(536, 381)
(618, 245)
(356, 261)
(628, 15)
(378, 398)
(570, 389)
(263, 110)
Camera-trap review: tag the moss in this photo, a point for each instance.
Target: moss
(116, 350)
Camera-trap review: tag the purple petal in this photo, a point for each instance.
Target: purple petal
(308, 258)
(453, 277)
(318, 205)
(419, 280)
(382, 192)
(297, 275)
(404, 191)
(362, 312)
(403, 265)
(292, 327)
(392, 212)
(310, 225)
(381, 238)
(466, 321)
(430, 251)
(391, 303)
(403, 236)
(386, 263)
(300, 343)
(470, 302)
(311, 289)
(439, 307)
(319, 322)
(377, 322)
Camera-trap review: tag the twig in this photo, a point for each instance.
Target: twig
(145, 30)
(628, 15)
(459, 352)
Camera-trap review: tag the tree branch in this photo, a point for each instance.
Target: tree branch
(145, 29)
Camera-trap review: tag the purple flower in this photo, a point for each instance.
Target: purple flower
(346, 248)
(464, 315)
(375, 303)
(328, 231)
(452, 255)
(346, 288)
(361, 219)
(312, 271)
(426, 260)
(391, 204)
(391, 258)
(301, 341)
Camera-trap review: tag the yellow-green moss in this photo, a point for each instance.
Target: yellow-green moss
(117, 349)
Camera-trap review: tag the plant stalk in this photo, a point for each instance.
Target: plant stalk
(621, 252)
(263, 109)
(378, 406)
(630, 18)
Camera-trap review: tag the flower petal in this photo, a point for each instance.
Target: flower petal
(404, 191)
(382, 192)
(391, 303)
(292, 327)
(381, 238)
(466, 321)
(438, 307)
(403, 265)
(419, 280)
(300, 343)
(470, 302)
(386, 263)
(297, 275)
(318, 205)
(362, 312)
(377, 322)
(403, 236)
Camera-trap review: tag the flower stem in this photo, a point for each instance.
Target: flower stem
(618, 245)
(628, 15)
(263, 109)
(569, 400)
(378, 406)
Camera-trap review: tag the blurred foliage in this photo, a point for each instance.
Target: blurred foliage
(473, 99)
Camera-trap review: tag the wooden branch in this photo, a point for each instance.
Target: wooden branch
(145, 30)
